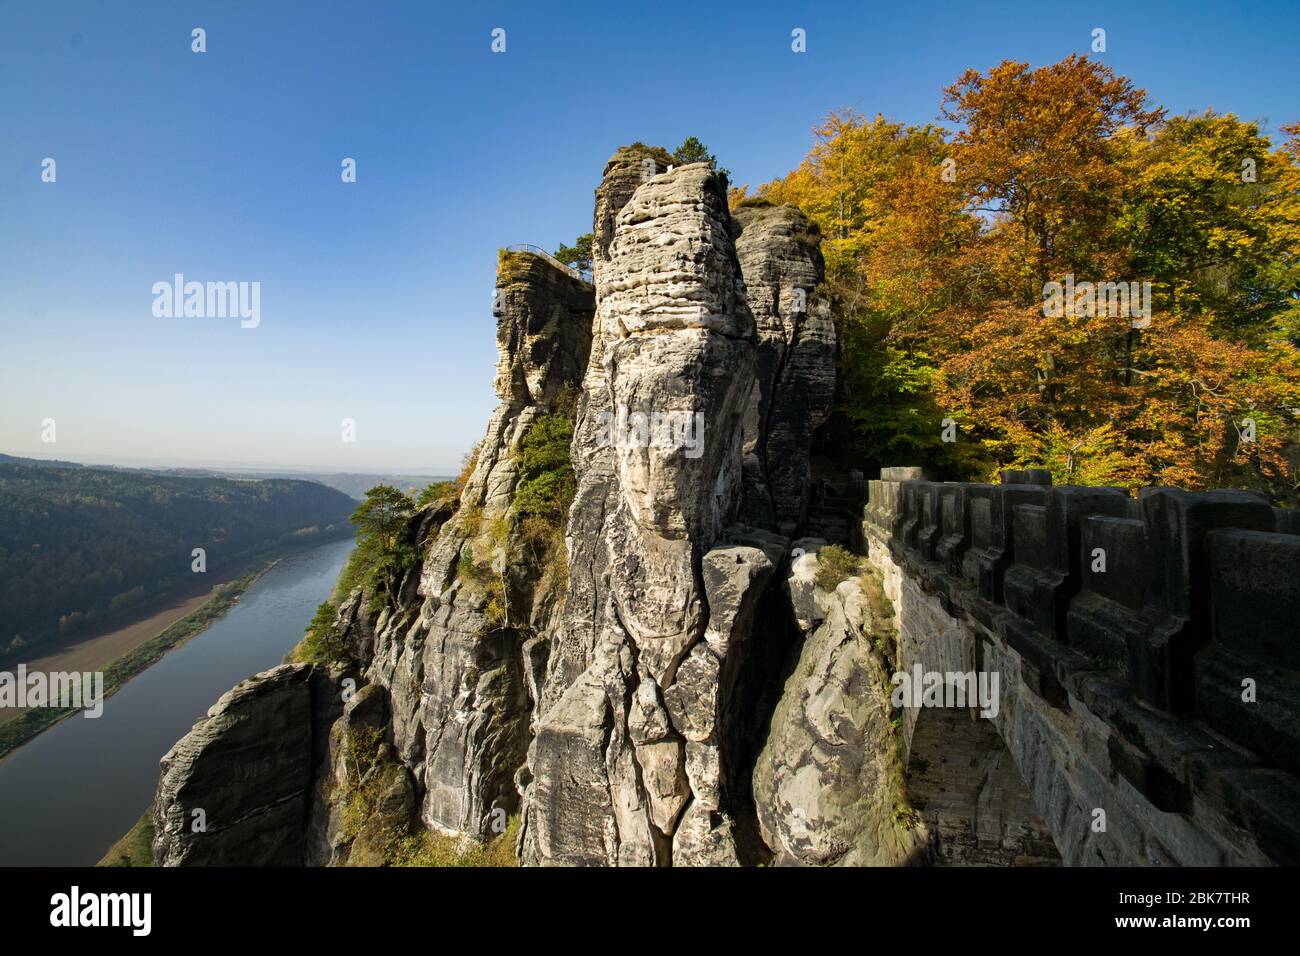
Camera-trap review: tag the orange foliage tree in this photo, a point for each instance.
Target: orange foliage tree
(940, 247)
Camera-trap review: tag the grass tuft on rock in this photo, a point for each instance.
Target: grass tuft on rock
(135, 848)
(835, 565)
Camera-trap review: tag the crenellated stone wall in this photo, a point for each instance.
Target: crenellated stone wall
(1126, 634)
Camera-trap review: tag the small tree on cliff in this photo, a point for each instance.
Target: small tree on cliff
(577, 255)
(382, 520)
(438, 493)
(693, 151)
(321, 643)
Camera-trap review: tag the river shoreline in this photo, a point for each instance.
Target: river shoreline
(30, 723)
(145, 621)
(68, 795)
(135, 647)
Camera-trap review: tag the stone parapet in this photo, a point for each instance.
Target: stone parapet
(1174, 617)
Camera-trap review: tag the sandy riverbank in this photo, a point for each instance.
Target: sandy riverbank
(97, 651)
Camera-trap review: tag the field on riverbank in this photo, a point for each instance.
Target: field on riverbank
(22, 728)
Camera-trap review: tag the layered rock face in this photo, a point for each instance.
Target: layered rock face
(593, 453)
(236, 790)
(780, 255)
(455, 668)
(635, 757)
(620, 704)
(360, 758)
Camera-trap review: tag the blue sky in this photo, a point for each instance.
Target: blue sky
(375, 296)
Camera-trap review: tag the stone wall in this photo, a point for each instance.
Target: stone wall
(1126, 633)
(965, 785)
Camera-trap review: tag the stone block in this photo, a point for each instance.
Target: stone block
(1048, 568)
(929, 529)
(1286, 520)
(1265, 720)
(954, 528)
(1178, 586)
(903, 473)
(1105, 618)
(1255, 594)
(1027, 476)
(1164, 791)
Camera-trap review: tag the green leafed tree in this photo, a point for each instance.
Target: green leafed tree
(693, 151)
(436, 493)
(382, 516)
(546, 481)
(383, 550)
(321, 644)
(577, 255)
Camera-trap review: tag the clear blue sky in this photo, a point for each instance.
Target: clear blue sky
(375, 301)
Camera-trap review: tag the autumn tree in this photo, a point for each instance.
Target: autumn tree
(1039, 151)
(938, 246)
(1212, 215)
(894, 229)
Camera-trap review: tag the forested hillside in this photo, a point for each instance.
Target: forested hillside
(353, 484)
(80, 545)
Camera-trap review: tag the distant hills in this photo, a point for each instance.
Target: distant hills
(80, 545)
(353, 484)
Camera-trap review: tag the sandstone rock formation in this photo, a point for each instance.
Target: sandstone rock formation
(236, 789)
(676, 339)
(677, 685)
(455, 669)
(780, 255)
(622, 702)
(829, 783)
(593, 454)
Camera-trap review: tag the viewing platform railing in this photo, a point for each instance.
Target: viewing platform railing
(582, 274)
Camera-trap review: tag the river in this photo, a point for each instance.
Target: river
(69, 794)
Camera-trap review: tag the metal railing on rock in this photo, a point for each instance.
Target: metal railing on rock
(583, 275)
